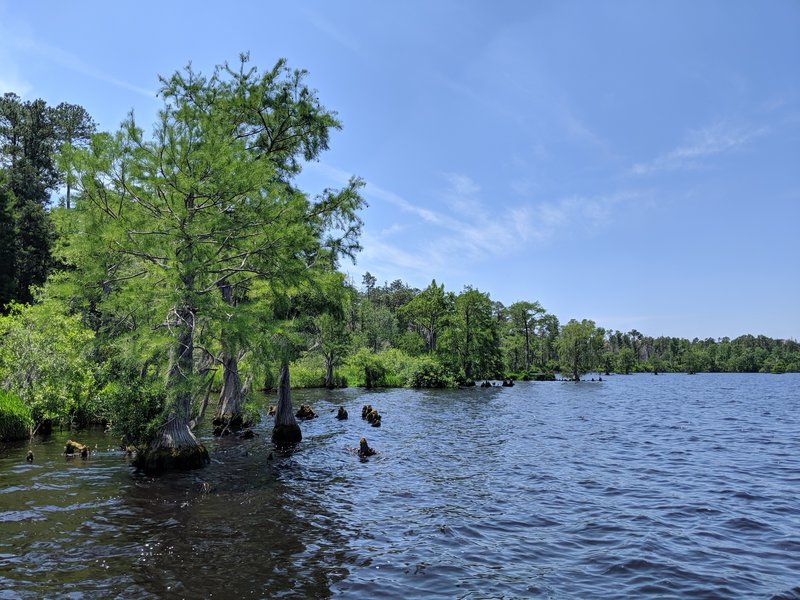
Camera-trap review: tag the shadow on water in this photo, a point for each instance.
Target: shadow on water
(97, 527)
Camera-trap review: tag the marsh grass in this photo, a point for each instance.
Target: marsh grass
(15, 418)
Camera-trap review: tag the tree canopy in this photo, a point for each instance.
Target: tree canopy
(205, 210)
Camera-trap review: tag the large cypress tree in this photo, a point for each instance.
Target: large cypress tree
(198, 211)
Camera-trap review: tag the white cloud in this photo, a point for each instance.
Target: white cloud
(483, 234)
(394, 229)
(470, 231)
(406, 206)
(383, 256)
(701, 144)
(463, 184)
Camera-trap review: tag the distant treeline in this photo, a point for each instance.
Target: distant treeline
(476, 337)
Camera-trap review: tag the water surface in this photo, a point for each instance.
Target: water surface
(661, 486)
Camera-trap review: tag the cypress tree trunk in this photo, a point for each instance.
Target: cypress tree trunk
(229, 411)
(286, 432)
(527, 348)
(329, 371)
(231, 398)
(174, 445)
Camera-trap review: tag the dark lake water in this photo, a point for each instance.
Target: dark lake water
(639, 486)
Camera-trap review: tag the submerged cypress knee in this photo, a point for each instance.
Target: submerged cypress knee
(363, 448)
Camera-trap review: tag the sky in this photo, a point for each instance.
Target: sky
(633, 163)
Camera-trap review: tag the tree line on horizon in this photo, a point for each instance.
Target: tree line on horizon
(186, 265)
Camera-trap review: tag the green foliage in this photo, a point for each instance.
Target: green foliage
(427, 311)
(369, 368)
(202, 223)
(470, 342)
(252, 409)
(397, 366)
(389, 368)
(636, 352)
(430, 373)
(8, 243)
(524, 317)
(579, 345)
(307, 371)
(16, 420)
(134, 407)
(45, 359)
(31, 134)
(378, 326)
(411, 343)
(625, 361)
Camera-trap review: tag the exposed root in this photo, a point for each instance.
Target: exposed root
(159, 460)
(286, 436)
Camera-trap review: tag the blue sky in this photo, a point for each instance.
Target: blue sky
(635, 163)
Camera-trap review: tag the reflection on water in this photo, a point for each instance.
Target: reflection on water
(637, 486)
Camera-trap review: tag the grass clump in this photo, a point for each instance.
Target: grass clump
(15, 418)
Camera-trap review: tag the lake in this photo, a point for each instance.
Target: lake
(638, 486)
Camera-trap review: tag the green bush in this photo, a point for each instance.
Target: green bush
(15, 418)
(45, 360)
(365, 368)
(389, 368)
(429, 373)
(307, 372)
(134, 408)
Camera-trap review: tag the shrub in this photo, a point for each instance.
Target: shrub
(429, 373)
(15, 418)
(367, 367)
(134, 408)
(45, 360)
(307, 372)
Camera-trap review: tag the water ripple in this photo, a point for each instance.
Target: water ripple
(666, 487)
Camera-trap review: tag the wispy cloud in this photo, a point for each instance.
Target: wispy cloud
(577, 130)
(476, 232)
(393, 258)
(403, 204)
(700, 145)
(332, 31)
(468, 230)
(73, 63)
(14, 42)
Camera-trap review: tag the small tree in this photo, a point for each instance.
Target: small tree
(333, 341)
(578, 346)
(427, 312)
(524, 319)
(625, 360)
(470, 339)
